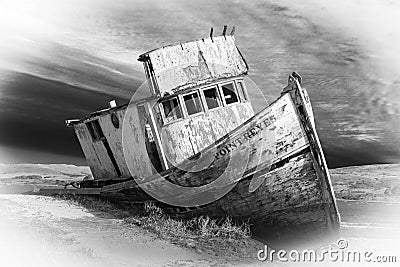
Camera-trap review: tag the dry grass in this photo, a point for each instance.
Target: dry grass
(203, 234)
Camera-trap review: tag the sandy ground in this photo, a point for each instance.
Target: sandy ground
(43, 231)
(19, 178)
(380, 182)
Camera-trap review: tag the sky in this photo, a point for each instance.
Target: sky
(64, 59)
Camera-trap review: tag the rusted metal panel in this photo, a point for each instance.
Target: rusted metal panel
(95, 153)
(178, 66)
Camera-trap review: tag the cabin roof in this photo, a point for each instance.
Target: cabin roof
(109, 110)
(145, 56)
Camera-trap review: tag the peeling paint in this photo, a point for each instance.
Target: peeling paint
(178, 66)
(96, 154)
(182, 139)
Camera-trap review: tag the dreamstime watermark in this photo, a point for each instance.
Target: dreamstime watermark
(223, 157)
(340, 253)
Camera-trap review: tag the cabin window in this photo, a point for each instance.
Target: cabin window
(172, 110)
(192, 103)
(241, 90)
(115, 120)
(229, 93)
(212, 98)
(95, 130)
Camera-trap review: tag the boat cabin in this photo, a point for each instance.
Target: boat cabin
(196, 95)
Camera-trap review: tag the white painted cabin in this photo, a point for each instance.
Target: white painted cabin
(197, 95)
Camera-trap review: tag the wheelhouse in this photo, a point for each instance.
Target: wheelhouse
(200, 100)
(197, 95)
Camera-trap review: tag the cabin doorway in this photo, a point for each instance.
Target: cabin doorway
(148, 128)
(97, 134)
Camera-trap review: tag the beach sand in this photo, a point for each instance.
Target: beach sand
(43, 231)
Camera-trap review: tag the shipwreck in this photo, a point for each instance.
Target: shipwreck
(194, 145)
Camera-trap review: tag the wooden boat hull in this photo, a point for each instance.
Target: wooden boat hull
(289, 200)
(272, 166)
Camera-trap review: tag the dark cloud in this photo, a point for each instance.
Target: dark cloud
(32, 117)
(97, 43)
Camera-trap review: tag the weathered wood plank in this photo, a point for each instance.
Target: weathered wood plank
(305, 113)
(176, 67)
(266, 138)
(295, 194)
(50, 191)
(182, 139)
(95, 153)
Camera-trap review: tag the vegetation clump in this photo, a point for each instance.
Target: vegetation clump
(203, 234)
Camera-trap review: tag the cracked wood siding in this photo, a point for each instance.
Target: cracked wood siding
(192, 63)
(184, 138)
(264, 151)
(97, 157)
(95, 154)
(280, 135)
(114, 137)
(290, 197)
(136, 158)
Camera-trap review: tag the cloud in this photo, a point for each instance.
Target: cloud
(348, 60)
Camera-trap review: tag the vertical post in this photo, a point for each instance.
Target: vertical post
(157, 137)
